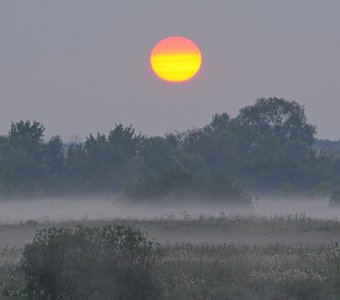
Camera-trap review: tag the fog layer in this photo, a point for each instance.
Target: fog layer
(64, 209)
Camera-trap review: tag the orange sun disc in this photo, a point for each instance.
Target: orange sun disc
(176, 59)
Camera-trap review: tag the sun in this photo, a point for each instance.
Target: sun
(176, 59)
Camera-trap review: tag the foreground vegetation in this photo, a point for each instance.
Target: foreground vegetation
(275, 271)
(81, 263)
(267, 147)
(306, 269)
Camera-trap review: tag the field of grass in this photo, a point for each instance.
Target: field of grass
(225, 257)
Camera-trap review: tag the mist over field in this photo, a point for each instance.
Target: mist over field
(14, 211)
(251, 202)
(169, 150)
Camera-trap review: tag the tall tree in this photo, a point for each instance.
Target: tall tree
(279, 117)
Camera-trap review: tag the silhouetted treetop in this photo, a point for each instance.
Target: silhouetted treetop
(282, 118)
(267, 147)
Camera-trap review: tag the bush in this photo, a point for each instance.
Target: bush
(83, 263)
(178, 184)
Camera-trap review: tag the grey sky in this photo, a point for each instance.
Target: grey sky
(80, 66)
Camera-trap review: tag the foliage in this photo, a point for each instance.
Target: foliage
(269, 147)
(88, 263)
(307, 270)
(279, 117)
(178, 184)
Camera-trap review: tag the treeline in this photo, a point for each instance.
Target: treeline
(266, 148)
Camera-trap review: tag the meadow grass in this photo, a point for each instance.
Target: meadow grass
(281, 268)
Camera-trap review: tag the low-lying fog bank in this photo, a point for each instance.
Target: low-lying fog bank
(55, 210)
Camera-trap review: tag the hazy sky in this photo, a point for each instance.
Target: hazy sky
(80, 66)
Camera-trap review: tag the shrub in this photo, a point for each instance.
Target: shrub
(89, 263)
(178, 184)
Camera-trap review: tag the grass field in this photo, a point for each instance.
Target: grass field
(225, 257)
